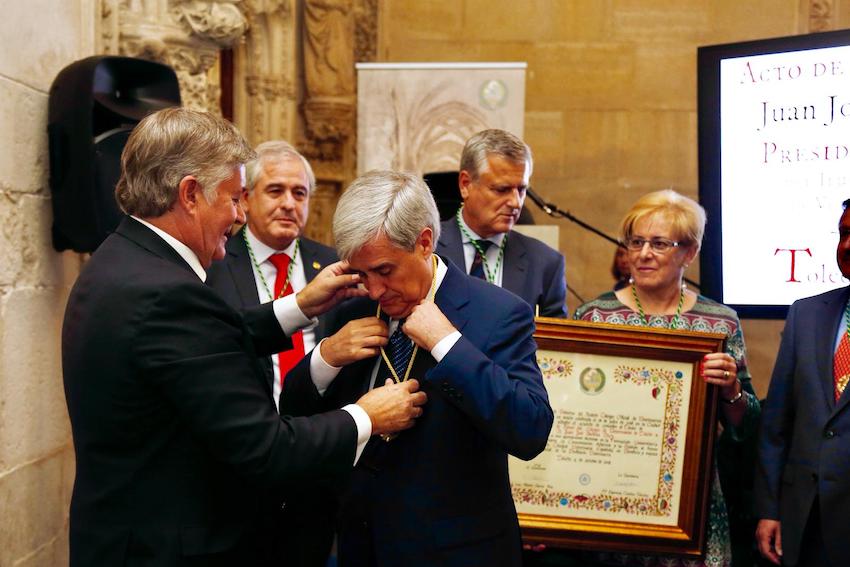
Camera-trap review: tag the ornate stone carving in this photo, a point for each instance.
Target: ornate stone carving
(220, 22)
(185, 34)
(366, 30)
(821, 15)
(266, 72)
(329, 69)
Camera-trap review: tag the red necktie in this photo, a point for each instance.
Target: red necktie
(841, 365)
(287, 358)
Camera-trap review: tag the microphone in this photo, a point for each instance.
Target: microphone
(539, 201)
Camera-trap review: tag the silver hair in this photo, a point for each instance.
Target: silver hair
(398, 205)
(167, 146)
(271, 151)
(476, 151)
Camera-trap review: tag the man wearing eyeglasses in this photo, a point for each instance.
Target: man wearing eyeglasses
(495, 167)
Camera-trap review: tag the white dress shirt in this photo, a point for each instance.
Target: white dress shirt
(492, 254)
(323, 373)
(297, 279)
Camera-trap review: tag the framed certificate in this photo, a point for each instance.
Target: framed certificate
(628, 462)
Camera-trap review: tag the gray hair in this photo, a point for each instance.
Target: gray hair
(398, 205)
(167, 146)
(271, 151)
(493, 142)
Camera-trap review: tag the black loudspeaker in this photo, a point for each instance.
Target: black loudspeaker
(444, 188)
(94, 104)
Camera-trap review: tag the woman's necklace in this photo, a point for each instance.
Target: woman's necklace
(491, 276)
(259, 271)
(673, 321)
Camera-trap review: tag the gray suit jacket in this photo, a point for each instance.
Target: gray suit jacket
(532, 270)
(804, 442)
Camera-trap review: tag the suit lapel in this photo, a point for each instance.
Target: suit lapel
(453, 296)
(242, 270)
(149, 240)
(515, 265)
(311, 262)
(450, 244)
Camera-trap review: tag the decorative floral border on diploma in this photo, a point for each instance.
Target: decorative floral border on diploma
(659, 505)
(552, 367)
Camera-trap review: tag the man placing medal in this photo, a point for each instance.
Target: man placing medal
(438, 493)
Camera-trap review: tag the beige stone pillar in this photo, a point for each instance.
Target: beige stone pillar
(265, 71)
(185, 34)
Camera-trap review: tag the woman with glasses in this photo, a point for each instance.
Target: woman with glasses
(662, 233)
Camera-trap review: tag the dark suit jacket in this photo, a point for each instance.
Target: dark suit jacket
(439, 493)
(176, 435)
(804, 442)
(233, 278)
(532, 270)
(301, 534)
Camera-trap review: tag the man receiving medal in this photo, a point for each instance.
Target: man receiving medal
(438, 493)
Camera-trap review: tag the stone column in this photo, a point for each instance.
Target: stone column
(819, 15)
(336, 34)
(265, 72)
(185, 34)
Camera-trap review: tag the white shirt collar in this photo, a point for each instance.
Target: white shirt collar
(262, 251)
(184, 251)
(495, 239)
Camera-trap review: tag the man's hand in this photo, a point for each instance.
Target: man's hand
(426, 325)
(358, 339)
(329, 287)
(769, 539)
(393, 407)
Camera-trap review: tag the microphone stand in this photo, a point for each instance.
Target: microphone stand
(554, 211)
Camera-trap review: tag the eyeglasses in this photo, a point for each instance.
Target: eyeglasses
(658, 245)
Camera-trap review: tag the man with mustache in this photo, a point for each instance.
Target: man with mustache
(267, 259)
(495, 167)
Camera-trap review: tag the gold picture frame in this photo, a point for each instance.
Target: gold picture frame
(628, 463)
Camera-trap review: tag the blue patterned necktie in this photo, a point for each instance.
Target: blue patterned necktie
(477, 268)
(401, 347)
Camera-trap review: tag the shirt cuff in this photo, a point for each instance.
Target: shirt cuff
(364, 427)
(321, 372)
(290, 316)
(442, 348)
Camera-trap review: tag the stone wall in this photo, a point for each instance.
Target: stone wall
(610, 99)
(40, 37)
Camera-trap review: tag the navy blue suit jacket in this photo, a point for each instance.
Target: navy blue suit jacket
(804, 442)
(532, 270)
(439, 493)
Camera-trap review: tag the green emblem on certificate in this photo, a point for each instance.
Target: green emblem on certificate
(591, 380)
